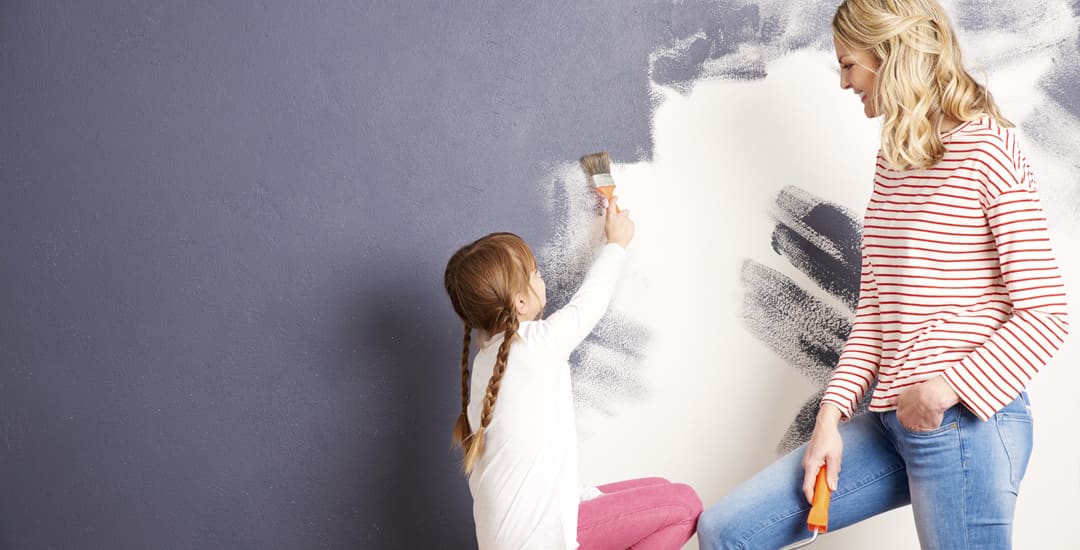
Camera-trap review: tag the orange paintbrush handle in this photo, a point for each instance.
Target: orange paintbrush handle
(819, 508)
(609, 192)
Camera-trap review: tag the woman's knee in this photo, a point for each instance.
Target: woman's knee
(718, 528)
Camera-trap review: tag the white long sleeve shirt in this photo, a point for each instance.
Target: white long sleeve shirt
(525, 483)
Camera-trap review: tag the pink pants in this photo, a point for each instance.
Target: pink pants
(646, 514)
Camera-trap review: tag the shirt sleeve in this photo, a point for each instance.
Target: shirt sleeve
(861, 356)
(563, 330)
(996, 372)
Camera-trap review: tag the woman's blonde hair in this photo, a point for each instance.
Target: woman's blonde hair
(921, 79)
(482, 279)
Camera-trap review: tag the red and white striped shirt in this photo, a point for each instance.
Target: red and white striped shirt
(958, 279)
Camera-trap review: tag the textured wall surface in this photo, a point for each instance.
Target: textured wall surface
(223, 228)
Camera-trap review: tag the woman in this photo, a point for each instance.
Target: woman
(960, 305)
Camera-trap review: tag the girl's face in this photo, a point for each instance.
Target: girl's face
(858, 72)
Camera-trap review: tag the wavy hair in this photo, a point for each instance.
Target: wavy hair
(921, 79)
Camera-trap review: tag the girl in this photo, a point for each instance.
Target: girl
(960, 305)
(522, 456)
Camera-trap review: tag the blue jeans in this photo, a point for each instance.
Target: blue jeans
(961, 480)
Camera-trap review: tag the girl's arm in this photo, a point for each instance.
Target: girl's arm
(566, 328)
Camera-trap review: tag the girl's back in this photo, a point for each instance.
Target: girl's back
(525, 484)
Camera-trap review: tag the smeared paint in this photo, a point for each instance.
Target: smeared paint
(734, 40)
(974, 15)
(820, 239)
(1062, 81)
(803, 330)
(606, 366)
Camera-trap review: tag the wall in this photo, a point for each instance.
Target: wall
(224, 227)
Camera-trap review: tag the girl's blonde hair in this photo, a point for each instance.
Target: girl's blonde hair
(482, 279)
(921, 79)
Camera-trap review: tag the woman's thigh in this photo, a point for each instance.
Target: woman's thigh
(769, 510)
(964, 477)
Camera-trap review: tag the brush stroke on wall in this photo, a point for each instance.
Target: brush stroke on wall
(820, 239)
(606, 366)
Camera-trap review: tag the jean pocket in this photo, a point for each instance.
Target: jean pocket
(1015, 429)
(949, 421)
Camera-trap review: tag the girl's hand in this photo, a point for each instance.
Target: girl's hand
(618, 227)
(921, 407)
(826, 448)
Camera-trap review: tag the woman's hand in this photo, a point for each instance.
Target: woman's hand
(618, 226)
(826, 448)
(921, 407)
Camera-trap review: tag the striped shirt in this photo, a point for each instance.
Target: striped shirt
(958, 279)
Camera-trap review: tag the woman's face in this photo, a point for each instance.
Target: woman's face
(858, 72)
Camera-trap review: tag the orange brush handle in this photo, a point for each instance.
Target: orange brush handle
(819, 508)
(609, 192)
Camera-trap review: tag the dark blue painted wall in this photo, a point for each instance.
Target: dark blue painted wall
(222, 233)
(223, 227)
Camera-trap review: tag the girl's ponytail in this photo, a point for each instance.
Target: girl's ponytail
(462, 428)
(475, 444)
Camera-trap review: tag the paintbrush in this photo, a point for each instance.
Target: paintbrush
(598, 167)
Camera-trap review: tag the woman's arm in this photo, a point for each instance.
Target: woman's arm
(996, 372)
(861, 356)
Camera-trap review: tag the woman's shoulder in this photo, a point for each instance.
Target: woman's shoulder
(986, 141)
(992, 151)
(984, 133)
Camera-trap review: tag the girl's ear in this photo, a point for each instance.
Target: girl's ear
(521, 304)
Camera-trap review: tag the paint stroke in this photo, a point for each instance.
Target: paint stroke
(821, 239)
(607, 367)
(734, 40)
(804, 331)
